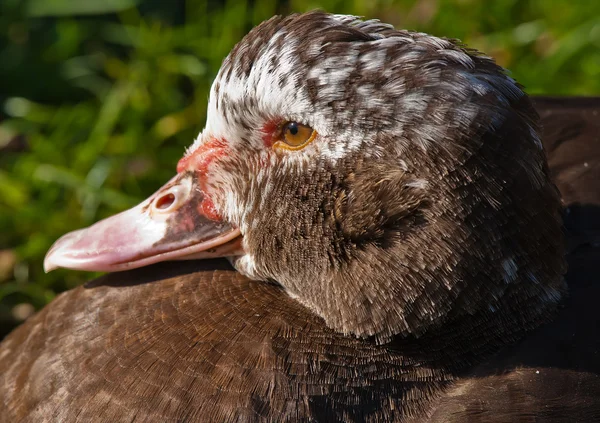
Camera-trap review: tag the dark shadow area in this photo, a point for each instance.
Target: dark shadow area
(158, 272)
(582, 226)
(572, 340)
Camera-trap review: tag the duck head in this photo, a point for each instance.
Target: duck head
(388, 180)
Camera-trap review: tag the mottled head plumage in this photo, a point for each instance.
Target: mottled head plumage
(425, 196)
(349, 78)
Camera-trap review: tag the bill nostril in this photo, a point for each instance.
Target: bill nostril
(170, 198)
(164, 202)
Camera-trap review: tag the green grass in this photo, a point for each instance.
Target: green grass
(99, 99)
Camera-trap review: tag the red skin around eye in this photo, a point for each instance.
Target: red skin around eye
(268, 132)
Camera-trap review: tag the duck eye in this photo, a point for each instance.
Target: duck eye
(295, 136)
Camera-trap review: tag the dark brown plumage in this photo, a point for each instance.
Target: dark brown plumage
(553, 375)
(415, 257)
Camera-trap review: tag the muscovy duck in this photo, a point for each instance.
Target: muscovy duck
(397, 248)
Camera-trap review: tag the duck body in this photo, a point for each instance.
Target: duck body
(390, 264)
(205, 344)
(198, 342)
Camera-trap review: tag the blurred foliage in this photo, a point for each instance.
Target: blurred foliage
(99, 98)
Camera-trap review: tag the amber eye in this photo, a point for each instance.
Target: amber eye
(295, 136)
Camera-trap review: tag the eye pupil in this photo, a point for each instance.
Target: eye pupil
(293, 128)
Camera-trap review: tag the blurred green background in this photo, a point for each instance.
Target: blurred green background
(98, 98)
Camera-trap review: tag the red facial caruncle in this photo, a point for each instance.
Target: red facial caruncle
(199, 161)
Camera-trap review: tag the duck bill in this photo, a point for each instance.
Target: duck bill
(178, 222)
